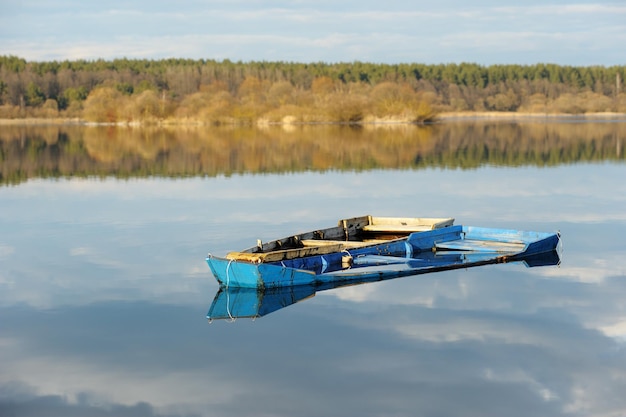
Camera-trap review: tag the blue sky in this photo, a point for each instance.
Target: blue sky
(566, 32)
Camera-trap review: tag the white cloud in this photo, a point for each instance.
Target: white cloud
(6, 251)
(616, 329)
(72, 378)
(520, 376)
(564, 9)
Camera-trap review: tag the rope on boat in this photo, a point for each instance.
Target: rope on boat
(227, 276)
(409, 249)
(232, 319)
(559, 247)
(347, 262)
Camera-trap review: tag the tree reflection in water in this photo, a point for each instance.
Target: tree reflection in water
(62, 151)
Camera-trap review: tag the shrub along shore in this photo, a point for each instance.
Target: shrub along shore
(387, 122)
(207, 92)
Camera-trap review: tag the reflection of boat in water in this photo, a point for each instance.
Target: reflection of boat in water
(373, 248)
(240, 302)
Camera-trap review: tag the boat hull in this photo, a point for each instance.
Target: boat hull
(421, 252)
(235, 302)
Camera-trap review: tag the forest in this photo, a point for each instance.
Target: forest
(244, 93)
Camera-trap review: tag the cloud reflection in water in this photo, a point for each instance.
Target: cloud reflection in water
(104, 292)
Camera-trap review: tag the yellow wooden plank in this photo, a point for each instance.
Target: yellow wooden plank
(411, 220)
(406, 224)
(396, 228)
(344, 243)
(281, 255)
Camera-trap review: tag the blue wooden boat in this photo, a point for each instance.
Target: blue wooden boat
(374, 248)
(240, 302)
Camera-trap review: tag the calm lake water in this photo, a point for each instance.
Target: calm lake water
(104, 289)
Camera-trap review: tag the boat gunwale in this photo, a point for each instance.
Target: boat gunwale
(351, 230)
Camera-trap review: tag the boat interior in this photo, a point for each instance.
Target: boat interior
(348, 234)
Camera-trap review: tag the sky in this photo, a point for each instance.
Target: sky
(564, 32)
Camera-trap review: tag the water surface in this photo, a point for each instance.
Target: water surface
(104, 289)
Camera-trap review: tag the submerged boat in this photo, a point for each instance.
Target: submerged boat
(239, 302)
(348, 234)
(374, 248)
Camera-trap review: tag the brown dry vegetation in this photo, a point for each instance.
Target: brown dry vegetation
(281, 103)
(178, 91)
(254, 102)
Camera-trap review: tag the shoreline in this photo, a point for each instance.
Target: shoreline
(527, 115)
(442, 117)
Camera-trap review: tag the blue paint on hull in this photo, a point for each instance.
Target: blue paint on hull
(436, 250)
(239, 302)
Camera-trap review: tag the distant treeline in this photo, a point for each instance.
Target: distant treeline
(217, 92)
(100, 151)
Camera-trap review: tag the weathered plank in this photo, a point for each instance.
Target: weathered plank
(405, 224)
(480, 246)
(281, 255)
(396, 228)
(345, 244)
